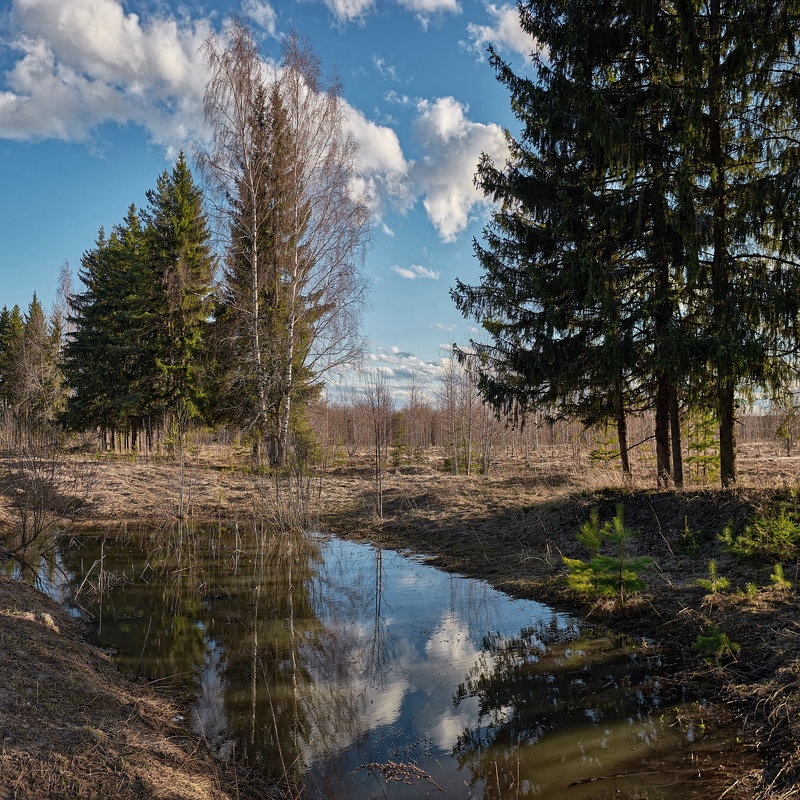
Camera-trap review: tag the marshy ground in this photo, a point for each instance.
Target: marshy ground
(72, 726)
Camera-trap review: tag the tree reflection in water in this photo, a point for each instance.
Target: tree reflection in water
(559, 716)
(315, 656)
(235, 611)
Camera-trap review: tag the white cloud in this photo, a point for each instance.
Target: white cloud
(504, 33)
(383, 169)
(85, 62)
(444, 176)
(401, 365)
(416, 271)
(425, 9)
(400, 99)
(443, 326)
(345, 11)
(82, 63)
(262, 14)
(387, 70)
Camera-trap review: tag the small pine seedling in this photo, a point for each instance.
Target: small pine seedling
(777, 578)
(714, 584)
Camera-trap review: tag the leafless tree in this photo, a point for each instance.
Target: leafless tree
(234, 163)
(381, 409)
(283, 161)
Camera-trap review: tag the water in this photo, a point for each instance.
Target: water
(322, 657)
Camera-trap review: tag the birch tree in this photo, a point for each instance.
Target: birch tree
(283, 161)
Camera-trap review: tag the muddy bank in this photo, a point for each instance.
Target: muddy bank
(72, 726)
(511, 528)
(518, 547)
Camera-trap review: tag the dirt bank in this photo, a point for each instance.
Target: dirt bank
(72, 726)
(511, 528)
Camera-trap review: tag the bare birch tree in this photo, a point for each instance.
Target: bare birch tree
(283, 162)
(234, 163)
(380, 407)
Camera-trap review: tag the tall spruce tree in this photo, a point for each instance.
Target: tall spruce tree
(181, 267)
(620, 196)
(12, 326)
(109, 356)
(580, 288)
(740, 152)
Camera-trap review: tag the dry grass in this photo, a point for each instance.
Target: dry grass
(71, 726)
(70, 723)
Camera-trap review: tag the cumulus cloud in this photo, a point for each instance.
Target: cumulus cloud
(425, 9)
(76, 65)
(262, 14)
(86, 62)
(444, 326)
(416, 271)
(345, 11)
(504, 33)
(452, 145)
(383, 169)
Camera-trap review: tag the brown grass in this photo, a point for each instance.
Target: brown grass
(72, 724)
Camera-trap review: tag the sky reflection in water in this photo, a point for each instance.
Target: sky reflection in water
(320, 656)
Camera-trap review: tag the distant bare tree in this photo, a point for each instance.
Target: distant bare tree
(380, 407)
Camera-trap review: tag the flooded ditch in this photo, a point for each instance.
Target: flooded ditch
(361, 673)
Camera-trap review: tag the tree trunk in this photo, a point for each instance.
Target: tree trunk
(622, 437)
(720, 279)
(727, 435)
(662, 433)
(675, 426)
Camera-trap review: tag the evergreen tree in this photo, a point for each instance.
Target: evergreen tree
(11, 328)
(182, 269)
(108, 358)
(87, 361)
(740, 150)
(37, 382)
(581, 281)
(644, 230)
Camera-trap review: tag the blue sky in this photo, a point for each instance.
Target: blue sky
(98, 96)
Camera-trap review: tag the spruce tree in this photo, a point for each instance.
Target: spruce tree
(181, 268)
(581, 285)
(741, 154)
(87, 363)
(12, 327)
(652, 193)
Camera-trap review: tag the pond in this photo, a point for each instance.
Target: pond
(357, 672)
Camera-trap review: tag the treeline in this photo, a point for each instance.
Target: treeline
(125, 353)
(645, 250)
(31, 381)
(239, 331)
(137, 346)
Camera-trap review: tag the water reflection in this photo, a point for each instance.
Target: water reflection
(319, 656)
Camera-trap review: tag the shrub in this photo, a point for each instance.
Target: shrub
(774, 534)
(717, 644)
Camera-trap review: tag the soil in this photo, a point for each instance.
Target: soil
(72, 726)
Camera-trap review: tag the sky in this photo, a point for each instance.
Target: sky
(97, 97)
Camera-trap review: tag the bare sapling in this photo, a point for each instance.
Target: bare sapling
(43, 493)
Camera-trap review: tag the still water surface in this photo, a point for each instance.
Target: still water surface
(321, 656)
